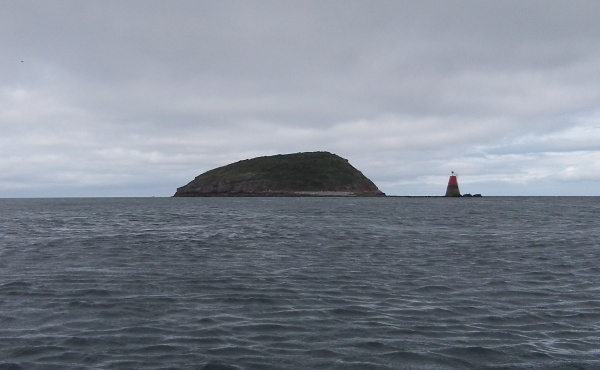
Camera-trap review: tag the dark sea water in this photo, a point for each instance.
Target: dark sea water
(300, 283)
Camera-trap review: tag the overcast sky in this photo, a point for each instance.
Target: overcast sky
(136, 98)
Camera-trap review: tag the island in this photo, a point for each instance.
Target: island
(308, 174)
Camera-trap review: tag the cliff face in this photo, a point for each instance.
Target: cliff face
(300, 174)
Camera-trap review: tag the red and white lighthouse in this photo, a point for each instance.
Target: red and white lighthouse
(452, 189)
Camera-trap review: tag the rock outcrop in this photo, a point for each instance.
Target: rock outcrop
(300, 174)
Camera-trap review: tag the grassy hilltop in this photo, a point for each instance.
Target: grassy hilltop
(299, 174)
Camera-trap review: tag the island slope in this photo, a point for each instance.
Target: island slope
(299, 174)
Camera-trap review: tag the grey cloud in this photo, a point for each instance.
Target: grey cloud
(121, 92)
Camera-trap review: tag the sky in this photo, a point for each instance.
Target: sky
(136, 98)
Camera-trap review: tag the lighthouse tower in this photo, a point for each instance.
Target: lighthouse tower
(452, 189)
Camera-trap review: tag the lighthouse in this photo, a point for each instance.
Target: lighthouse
(452, 189)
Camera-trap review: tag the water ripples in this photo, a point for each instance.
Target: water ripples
(416, 283)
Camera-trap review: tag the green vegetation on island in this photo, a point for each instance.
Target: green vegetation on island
(299, 174)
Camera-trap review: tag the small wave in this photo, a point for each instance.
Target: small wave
(496, 283)
(434, 289)
(160, 349)
(235, 351)
(248, 300)
(90, 304)
(203, 341)
(15, 285)
(475, 354)
(296, 314)
(219, 366)
(375, 346)
(321, 353)
(266, 338)
(362, 365)
(35, 351)
(436, 313)
(143, 330)
(10, 366)
(93, 292)
(15, 288)
(262, 328)
(417, 360)
(351, 312)
(76, 342)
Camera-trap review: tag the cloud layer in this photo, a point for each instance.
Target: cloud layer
(136, 98)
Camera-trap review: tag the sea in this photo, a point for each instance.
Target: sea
(300, 283)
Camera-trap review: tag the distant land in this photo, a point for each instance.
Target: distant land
(306, 174)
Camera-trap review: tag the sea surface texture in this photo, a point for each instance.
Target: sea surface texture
(300, 283)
